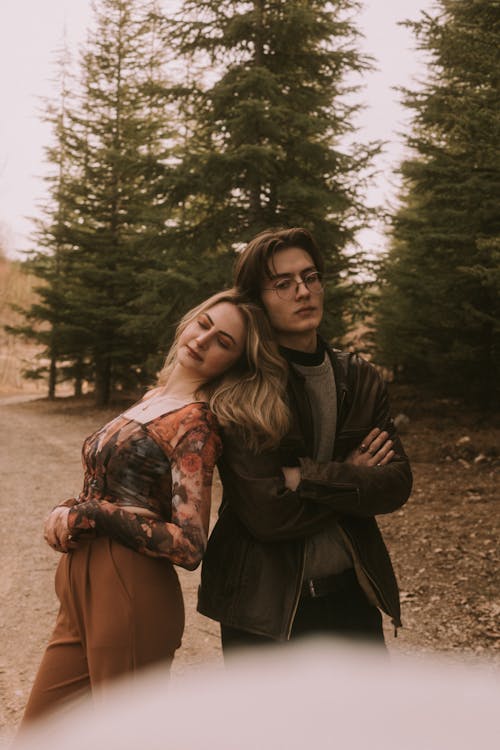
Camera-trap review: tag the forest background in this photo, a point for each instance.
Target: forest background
(174, 140)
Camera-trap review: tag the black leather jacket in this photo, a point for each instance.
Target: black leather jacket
(253, 568)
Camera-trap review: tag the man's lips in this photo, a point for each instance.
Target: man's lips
(193, 354)
(305, 310)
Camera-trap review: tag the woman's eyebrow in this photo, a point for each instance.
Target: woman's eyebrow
(224, 333)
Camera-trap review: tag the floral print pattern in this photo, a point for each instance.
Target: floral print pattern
(164, 466)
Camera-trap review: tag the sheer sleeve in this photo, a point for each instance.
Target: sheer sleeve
(183, 539)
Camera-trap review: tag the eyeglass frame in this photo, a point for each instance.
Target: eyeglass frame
(290, 277)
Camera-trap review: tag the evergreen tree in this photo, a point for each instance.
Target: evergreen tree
(106, 216)
(45, 319)
(438, 317)
(120, 139)
(265, 148)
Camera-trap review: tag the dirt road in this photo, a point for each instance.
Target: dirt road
(40, 465)
(443, 544)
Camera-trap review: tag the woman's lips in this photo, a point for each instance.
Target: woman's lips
(193, 354)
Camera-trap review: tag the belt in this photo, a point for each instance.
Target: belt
(315, 587)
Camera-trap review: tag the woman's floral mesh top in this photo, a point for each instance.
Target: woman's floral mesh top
(164, 466)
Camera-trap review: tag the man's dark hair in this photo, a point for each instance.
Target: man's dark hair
(253, 264)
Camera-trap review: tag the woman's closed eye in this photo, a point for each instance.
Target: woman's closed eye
(225, 343)
(203, 324)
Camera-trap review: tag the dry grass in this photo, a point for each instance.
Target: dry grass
(16, 288)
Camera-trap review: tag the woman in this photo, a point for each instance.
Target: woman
(147, 488)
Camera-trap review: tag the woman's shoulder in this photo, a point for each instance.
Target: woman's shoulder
(194, 417)
(198, 415)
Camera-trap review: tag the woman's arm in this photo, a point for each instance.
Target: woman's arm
(183, 539)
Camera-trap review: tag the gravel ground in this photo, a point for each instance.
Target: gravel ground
(443, 542)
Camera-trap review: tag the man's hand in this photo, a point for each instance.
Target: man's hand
(375, 450)
(56, 531)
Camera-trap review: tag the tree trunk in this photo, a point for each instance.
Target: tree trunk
(102, 390)
(78, 382)
(52, 376)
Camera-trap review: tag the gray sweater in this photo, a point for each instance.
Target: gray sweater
(326, 553)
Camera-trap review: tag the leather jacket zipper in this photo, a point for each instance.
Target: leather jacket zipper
(297, 593)
(378, 593)
(341, 403)
(303, 564)
(376, 589)
(301, 574)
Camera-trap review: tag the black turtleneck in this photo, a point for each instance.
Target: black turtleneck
(307, 359)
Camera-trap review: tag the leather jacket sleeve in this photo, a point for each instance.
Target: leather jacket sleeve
(268, 509)
(254, 485)
(379, 489)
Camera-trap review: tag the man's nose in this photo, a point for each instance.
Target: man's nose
(301, 289)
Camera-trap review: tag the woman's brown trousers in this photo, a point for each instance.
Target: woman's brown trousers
(120, 611)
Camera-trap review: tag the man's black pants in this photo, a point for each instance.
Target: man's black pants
(345, 614)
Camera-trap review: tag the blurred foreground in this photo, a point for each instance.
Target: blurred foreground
(318, 694)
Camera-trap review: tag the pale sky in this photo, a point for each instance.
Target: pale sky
(32, 30)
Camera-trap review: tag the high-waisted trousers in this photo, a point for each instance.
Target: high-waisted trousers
(119, 611)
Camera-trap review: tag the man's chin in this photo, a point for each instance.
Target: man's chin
(310, 323)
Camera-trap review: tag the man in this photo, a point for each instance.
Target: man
(296, 549)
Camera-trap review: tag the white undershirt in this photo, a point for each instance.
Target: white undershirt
(153, 406)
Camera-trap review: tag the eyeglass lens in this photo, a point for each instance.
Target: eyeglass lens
(287, 288)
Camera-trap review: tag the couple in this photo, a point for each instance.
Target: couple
(307, 455)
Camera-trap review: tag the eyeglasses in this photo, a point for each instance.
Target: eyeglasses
(287, 288)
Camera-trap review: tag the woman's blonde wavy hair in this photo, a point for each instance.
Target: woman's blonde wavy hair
(250, 397)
